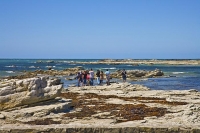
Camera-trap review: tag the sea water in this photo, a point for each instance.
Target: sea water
(176, 77)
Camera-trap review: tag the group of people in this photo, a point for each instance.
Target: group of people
(86, 78)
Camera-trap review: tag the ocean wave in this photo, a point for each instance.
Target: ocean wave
(10, 71)
(50, 66)
(110, 68)
(73, 64)
(178, 72)
(11, 66)
(32, 67)
(66, 61)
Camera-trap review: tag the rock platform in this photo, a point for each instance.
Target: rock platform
(116, 108)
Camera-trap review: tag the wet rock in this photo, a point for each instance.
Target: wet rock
(135, 74)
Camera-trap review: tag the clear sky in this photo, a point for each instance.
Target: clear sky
(94, 29)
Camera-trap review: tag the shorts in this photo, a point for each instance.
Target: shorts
(124, 77)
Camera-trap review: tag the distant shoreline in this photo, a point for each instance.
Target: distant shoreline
(122, 61)
(97, 59)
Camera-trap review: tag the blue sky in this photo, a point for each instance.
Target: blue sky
(93, 29)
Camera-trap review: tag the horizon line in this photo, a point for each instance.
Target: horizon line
(103, 58)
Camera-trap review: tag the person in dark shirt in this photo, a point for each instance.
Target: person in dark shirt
(98, 77)
(101, 77)
(84, 76)
(88, 78)
(79, 79)
(124, 75)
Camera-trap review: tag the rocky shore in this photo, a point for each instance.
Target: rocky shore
(72, 72)
(142, 62)
(134, 62)
(30, 74)
(41, 104)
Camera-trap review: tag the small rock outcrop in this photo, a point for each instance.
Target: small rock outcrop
(16, 92)
(133, 74)
(50, 71)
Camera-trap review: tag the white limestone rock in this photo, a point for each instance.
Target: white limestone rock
(6, 90)
(28, 91)
(2, 116)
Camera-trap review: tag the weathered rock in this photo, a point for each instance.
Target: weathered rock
(182, 114)
(7, 90)
(193, 90)
(132, 74)
(28, 91)
(67, 72)
(114, 86)
(2, 116)
(54, 81)
(146, 62)
(154, 73)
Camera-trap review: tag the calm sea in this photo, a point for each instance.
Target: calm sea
(182, 77)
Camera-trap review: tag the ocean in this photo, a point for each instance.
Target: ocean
(177, 77)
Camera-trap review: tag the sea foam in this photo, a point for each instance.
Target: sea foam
(10, 71)
(178, 72)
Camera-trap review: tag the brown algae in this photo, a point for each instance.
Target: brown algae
(90, 104)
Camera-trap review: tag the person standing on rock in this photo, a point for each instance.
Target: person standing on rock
(79, 79)
(91, 77)
(88, 78)
(84, 76)
(101, 77)
(124, 75)
(107, 73)
(98, 77)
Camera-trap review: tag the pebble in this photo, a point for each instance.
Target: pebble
(2, 116)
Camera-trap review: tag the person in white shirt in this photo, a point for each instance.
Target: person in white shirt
(91, 76)
(98, 77)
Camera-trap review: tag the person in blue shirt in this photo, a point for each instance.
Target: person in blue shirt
(107, 73)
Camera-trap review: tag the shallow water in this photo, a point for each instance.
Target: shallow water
(182, 77)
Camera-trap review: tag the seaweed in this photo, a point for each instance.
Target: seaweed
(90, 104)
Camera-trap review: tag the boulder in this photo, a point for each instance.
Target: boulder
(2, 116)
(29, 91)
